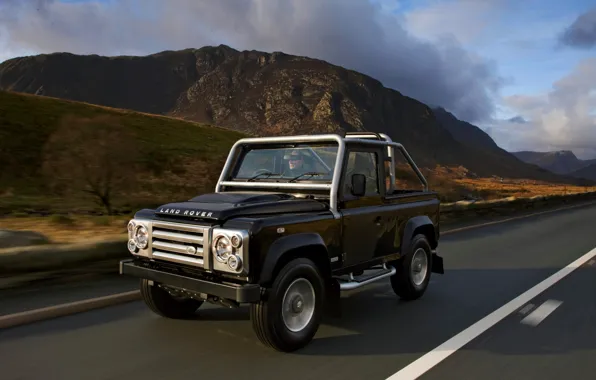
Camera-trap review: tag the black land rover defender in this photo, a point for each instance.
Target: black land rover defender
(293, 222)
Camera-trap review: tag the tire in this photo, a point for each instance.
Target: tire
(163, 304)
(404, 282)
(268, 323)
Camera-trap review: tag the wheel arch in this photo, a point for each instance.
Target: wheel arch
(420, 224)
(287, 248)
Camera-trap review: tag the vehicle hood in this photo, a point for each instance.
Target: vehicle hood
(222, 206)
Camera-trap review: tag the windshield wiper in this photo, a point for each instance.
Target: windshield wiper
(268, 174)
(303, 174)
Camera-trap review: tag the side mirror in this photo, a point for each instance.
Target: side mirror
(358, 185)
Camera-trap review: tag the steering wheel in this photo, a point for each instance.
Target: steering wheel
(259, 171)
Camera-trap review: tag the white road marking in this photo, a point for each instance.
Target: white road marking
(426, 362)
(543, 311)
(526, 309)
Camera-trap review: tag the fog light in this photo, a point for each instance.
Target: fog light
(234, 262)
(236, 241)
(132, 246)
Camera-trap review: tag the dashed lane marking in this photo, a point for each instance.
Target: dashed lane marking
(543, 311)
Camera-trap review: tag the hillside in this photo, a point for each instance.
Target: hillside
(58, 154)
(262, 94)
(483, 146)
(588, 172)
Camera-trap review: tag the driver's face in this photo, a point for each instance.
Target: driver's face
(295, 163)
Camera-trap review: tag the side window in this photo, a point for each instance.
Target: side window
(406, 179)
(362, 163)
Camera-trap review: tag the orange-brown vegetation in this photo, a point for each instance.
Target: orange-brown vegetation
(458, 183)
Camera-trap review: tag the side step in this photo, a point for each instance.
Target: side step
(349, 282)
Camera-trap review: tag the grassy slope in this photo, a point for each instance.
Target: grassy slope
(27, 122)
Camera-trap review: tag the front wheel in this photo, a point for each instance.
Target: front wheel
(290, 317)
(413, 270)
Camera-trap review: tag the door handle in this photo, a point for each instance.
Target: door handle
(378, 220)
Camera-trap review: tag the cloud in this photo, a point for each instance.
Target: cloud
(582, 32)
(562, 119)
(517, 119)
(357, 34)
(466, 20)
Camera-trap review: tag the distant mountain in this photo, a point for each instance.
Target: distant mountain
(265, 94)
(560, 162)
(587, 172)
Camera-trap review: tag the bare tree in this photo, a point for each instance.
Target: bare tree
(98, 156)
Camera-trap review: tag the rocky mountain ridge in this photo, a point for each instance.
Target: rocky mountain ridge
(265, 94)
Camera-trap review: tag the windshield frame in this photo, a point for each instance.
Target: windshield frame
(226, 180)
(271, 163)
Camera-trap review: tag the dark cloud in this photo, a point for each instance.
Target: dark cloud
(517, 119)
(353, 33)
(582, 32)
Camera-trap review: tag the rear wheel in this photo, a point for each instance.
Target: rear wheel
(164, 304)
(413, 270)
(290, 317)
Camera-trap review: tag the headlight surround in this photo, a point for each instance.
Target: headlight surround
(230, 250)
(131, 228)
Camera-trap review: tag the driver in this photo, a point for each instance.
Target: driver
(295, 163)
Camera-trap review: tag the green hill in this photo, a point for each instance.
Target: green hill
(59, 155)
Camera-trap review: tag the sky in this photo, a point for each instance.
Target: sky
(523, 71)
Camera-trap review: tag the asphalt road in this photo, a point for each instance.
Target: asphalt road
(377, 335)
(551, 337)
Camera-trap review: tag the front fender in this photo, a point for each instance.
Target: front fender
(285, 245)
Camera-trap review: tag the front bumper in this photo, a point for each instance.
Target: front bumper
(240, 293)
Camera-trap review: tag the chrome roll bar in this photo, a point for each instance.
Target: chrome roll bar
(364, 138)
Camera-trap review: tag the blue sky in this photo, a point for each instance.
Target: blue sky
(521, 38)
(484, 60)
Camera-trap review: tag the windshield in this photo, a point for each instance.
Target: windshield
(306, 162)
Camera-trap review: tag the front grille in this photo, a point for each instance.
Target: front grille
(179, 243)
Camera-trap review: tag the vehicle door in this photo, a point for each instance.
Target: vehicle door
(362, 226)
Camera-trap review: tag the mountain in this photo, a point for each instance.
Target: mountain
(265, 94)
(465, 132)
(479, 142)
(587, 172)
(560, 162)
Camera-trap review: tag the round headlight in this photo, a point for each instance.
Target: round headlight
(222, 247)
(234, 262)
(141, 237)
